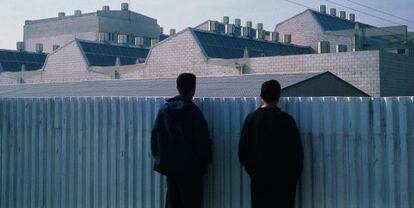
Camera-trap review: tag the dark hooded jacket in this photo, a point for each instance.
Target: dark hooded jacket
(270, 145)
(180, 141)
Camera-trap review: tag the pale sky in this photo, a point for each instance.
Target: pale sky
(180, 14)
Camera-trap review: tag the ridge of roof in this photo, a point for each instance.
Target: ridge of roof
(247, 38)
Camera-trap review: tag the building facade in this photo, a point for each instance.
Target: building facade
(113, 26)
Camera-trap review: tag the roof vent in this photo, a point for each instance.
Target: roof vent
(20, 46)
(352, 17)
(245, 32)
(39, 48)
(260, 26)
(124, 7)
(287, 38)
(332, 12)
(259, 34)
(139, 41)
(105, 8)
(226, 20)
(322, 9)
(77, 12)
(249, 24)
(323, 47)
(274, 36)
(172, 31)
(229, 29)
(237, 22)
(61, 14)
(122, 39)
(342, 14)
(212, 26)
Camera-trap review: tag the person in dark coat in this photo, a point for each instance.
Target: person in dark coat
(181, 146)
(271, 151)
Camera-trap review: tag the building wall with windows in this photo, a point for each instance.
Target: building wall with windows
(96, 26)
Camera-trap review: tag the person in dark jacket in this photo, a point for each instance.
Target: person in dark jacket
(181, 146)
(271, 151)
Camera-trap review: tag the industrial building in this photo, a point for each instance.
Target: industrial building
(114, 26)
(376, 60)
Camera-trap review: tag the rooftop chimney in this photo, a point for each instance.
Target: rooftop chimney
(105, 8)
(77, 12)
(332, 12)
(229, 29)
(172, 31)
(259, 26)
(39, 48)
(226, 20)
(124, 7)
(61, 14)
(245, 32)
(342, 14)
(259, 34)
(20, 46)
(322, 9)
(237, 22)
(274, 36)
(352, 17)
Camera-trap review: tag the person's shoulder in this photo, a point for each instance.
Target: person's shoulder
(256, 113)
(287, 117)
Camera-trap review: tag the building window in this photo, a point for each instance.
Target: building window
(401, 51)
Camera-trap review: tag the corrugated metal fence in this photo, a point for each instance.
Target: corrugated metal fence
(95, 152)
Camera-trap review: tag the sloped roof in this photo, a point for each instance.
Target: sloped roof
(223, 46)
(329, 22)
(227, 86)
(12, 61)
(103, 54)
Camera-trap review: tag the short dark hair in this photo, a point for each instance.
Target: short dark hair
(186, 82)
(270, 91)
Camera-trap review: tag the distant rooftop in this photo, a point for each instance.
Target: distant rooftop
(118, 14)
(12, 61)
(227, 86)
(104, 54)
(224, 46)
(329, 22)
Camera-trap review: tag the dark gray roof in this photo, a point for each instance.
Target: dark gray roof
(104, 54)
(329, 22)
(229, 86)
(223, 46)
(12, 61)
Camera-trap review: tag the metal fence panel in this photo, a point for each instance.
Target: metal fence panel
(95, 152)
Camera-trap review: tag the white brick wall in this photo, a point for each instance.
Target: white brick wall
(67, 64)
